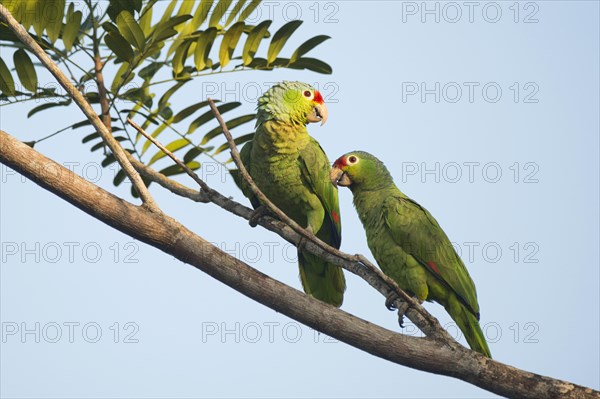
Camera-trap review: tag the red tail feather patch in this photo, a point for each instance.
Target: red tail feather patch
(335, 216)
(433, 267)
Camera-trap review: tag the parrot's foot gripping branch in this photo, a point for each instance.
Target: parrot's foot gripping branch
(389, 303)
(401, 311)
(257, 214)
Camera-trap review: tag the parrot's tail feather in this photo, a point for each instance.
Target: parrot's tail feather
(320, 279)
(468, 324)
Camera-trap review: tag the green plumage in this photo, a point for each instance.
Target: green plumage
(292, 170)
(409, 245)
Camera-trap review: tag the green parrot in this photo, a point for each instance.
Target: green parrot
(409, 244)
(292, 170)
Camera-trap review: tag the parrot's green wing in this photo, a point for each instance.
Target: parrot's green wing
(237, 176)
(319, 278)
(315, 170)
(419, 234)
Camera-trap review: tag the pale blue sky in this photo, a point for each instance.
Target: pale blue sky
(529, 236)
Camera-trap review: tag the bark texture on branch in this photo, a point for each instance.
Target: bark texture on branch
(170, 236)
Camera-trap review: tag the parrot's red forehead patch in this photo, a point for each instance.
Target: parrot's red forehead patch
(318, 97)
(341, 161)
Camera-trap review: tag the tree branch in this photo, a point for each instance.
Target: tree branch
(168, 235)
(115, 147)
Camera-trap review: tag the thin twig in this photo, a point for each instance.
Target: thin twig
(115, 147)
(403, 296)
(191, 173)
(170, 184)
(120, 118)
(157, 116)
(98, 68)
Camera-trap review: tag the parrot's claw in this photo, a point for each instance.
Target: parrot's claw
(257, 214)
(389, 301)
(400, 320)
(401, 312)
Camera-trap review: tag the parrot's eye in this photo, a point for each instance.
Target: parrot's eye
(308, 94)
(352, 159)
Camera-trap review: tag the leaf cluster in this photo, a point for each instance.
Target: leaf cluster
(153, 56)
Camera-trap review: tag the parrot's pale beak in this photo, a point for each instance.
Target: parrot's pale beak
(339, 178)
(319, 114)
